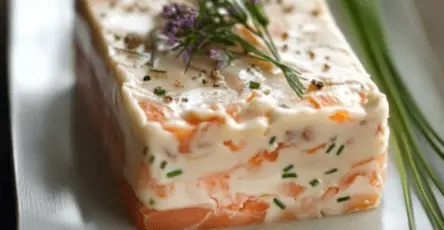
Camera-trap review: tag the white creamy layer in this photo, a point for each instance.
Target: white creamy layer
(314, 45)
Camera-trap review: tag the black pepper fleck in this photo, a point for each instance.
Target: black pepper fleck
(318, 84)
(147, 78)
(285, 48)
(311, 55)
(326, 67)
(167, 99)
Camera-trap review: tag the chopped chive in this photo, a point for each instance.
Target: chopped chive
(342, 199)
(289, 175)
(340, 149)
(288, 168)
(163, 165)
(147, 78)
(272, 140)
(158, 70)
(314, 182)
(279, 203)
(174, 173)
(151, 159)
(255, 85)
(152, 202)
(331, 171)
(284, 106)
(331, 147)
(159, 91)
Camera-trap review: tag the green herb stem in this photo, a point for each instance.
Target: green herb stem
(279, 203)
(289, 175)
(409, 156)
(288, 168)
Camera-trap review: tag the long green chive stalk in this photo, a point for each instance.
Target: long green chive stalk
(406, 116)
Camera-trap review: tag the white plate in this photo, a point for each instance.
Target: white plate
(63, 180)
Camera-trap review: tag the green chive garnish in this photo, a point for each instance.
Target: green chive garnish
(289, 175)
(340, 149)
(146, 78)
(288, 168)
(314, 182)
(272, 140)
(158, 70)
(163, 165)
(255, 85)
(152, 202)
(279, 203)
(174, 173)
(159, 91)
(331, 171)
(331, 147)
(151, 159)
(342, 199)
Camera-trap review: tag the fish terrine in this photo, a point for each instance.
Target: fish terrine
(212, 148)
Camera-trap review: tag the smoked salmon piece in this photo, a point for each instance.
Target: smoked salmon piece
(208, 148)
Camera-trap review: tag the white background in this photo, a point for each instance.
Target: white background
(63, 180)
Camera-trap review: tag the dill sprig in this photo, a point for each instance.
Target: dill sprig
(212, 28)
(406, 116)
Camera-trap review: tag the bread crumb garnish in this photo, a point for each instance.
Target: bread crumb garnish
(311, 55)
(326, 67)
(316, 12)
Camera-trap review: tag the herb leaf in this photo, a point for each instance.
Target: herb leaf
(197, 32)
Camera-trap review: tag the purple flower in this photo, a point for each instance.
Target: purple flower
(221, 58)
(186, 21)
(181, 18)
(170, 31)
(168, 11)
